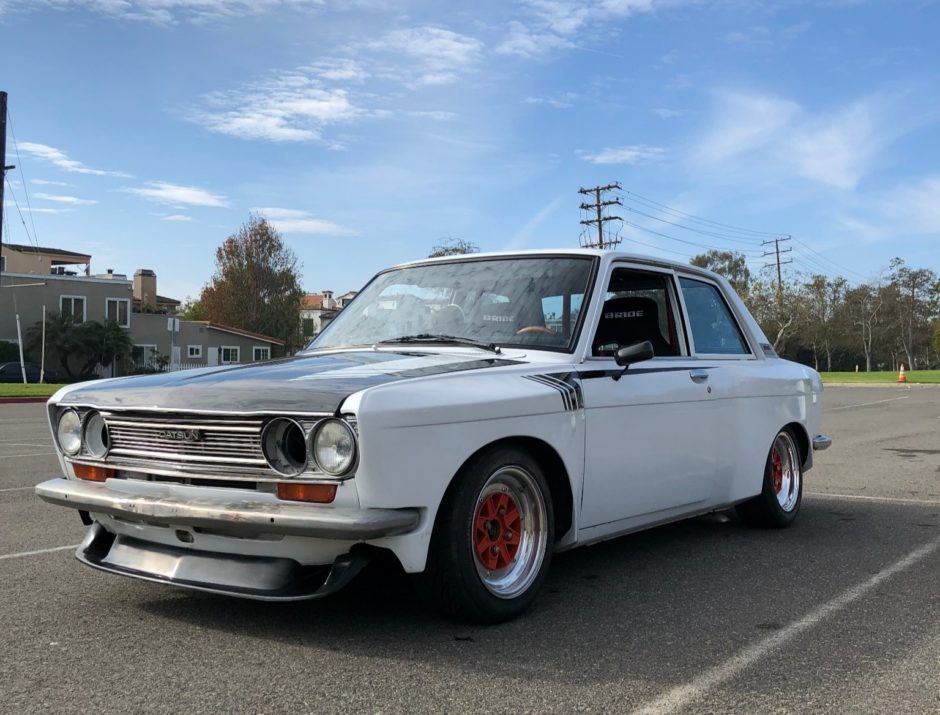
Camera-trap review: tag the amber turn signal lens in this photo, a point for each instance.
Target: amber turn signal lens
(320, 493)
(93, 474)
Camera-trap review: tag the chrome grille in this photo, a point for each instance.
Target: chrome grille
(236, 442)
(228, 447)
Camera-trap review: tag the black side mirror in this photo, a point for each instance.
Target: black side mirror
(638, 352)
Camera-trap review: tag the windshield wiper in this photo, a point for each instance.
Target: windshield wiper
(443, 339)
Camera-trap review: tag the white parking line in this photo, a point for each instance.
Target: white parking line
(865, 404)
(22, 444)
(696, 689)
(866, 498)
(15, 489)
(37, 552)
(31, 454)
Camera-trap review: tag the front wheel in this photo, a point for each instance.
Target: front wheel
(782, 493)
(492, 540)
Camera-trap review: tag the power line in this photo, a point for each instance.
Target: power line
(19, 164)
(697, 219)
(695, 230)
(682, 240)
(20, 212)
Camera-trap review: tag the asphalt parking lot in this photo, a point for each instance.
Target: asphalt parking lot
(839, 614)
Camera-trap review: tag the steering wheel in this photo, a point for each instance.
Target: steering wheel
(534, 329)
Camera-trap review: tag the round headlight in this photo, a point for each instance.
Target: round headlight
(334, 446)
(284, 446)
(97, 440)
(69, 432)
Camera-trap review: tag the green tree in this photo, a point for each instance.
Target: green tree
(453, 247)
(256, 284)
(78, 347)
(193, 309)
(731, 264)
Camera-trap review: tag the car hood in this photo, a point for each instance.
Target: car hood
(304, 383)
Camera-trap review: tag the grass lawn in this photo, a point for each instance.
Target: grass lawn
(18, 389)
(913, 376)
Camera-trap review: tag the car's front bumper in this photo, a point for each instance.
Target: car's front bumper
(242, 517)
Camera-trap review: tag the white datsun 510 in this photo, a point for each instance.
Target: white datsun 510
(470, 415)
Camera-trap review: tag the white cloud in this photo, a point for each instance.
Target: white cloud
(439, 54)
(176, 217)
(767, 135)
(666, 113)
(744, 122)
(836, 150)
(174, 194)
(915, 208)
(560, 101)
(555, 24)
(292, 106)
(46, 182)
(166, 12)
(635, 154)
(529, 42)
(58, 198)
(58, 158)
(436, 115)
(299, 221)
(8, 205)
(339, 70)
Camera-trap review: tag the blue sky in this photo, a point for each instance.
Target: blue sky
(367, 131)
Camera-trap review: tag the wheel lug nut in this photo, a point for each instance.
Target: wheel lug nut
(508, 534)
(495, 550)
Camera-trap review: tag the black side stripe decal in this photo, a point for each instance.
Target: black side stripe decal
(567, 386)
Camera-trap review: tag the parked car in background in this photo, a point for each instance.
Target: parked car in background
(470, 415)
(11, 372)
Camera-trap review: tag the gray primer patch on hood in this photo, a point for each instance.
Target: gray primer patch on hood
(305, 383)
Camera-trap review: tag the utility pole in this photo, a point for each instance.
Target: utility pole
(600, 219)
(776, 252)
(3, 164)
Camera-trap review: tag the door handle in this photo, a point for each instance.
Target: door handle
(698, 375)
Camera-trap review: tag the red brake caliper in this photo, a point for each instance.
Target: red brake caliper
(496, 528)
(777, 470)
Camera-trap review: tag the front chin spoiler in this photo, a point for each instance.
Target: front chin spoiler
(254, 577)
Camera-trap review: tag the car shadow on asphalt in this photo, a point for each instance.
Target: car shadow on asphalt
(678, 596)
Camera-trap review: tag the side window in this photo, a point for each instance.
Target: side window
(714, 330)
(638, 306)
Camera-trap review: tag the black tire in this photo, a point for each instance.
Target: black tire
(456, 579)
(782, 493)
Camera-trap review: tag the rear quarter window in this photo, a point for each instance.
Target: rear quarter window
(714, 329)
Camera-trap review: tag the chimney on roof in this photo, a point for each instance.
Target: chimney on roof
(145, 288)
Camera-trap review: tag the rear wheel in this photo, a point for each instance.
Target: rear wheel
(779, 501)
(492, 540)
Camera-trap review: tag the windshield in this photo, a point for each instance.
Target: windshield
(523, 302)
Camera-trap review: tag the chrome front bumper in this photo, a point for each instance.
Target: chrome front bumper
(821, 442)
(238, 518)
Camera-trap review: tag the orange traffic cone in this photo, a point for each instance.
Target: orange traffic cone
(901, 376)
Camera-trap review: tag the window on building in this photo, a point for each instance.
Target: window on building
(3, 263)
(73, 305)
(145, 356)
(308, 327)
(260, 353)
(230, 355)
(194, 351)
(118, 310)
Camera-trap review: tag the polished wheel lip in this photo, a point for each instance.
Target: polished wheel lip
(785, 471)
(512, 485)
